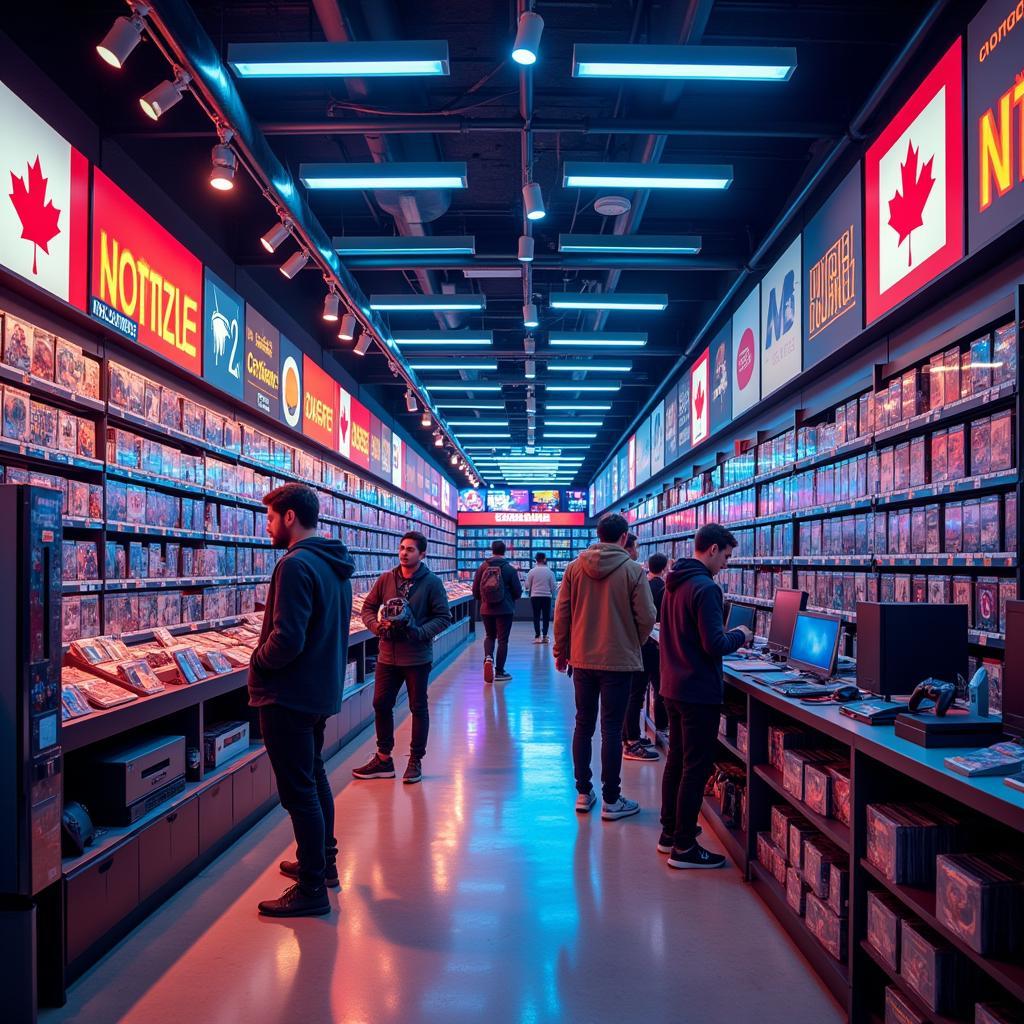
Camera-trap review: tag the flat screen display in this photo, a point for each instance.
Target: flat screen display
(472, 499)
(545, 501)
(815, 643)
(497, 500)
(787, 604)
(576, 501)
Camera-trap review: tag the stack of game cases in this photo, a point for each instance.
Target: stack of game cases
(980, 900)
(904, 840)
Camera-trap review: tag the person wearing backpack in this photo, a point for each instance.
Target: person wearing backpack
(541, 588)
(496, 587)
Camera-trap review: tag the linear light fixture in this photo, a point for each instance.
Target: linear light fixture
(580, 174)
(404, 245)
(477, 437)
(447, 365)
(607, 300)
(477, 423)
(576, 407)
(583, 387)
(338, 60)
(383, 176)
(573, 423)
(442, 339)
(657, 245)
(608, 339)
(591, 367)
(470, 405)
(466, 385)
(705, 63)
(426, 303)
(492, 272)
(576, 436)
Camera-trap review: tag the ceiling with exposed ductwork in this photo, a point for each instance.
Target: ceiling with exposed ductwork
(519, 392)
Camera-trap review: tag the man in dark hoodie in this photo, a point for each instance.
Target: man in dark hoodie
(497, 588)
(693, 641)
(406, 652)
(295, 680)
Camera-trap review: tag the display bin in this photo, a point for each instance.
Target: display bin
(99, 896)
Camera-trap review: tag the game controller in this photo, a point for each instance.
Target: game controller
(935, 690)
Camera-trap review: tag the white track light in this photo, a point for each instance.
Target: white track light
(294, 263)
(162, 97)
(533, 201)
(454, 459)
(224, 164)
(363, 344)
(124, 35)
(410, 401)
(531, 369)
(438, 439)
(275, 236)
(347, 331)
(528, 33)
(531, 405)
(332, 306)
(426, 419)
(526, 247)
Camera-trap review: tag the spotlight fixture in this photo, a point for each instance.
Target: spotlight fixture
(529, 345)
(530, 369)
(224, 163)
(438, 439)
(426, 419)
(454, 459)
(531, 405)
(528, 33)
(347, 328)
(276, 235)
(530, 317)
(410, 401)
(526, 247)
(162, 97)
(294, 263)
(332, 306)
(362, 346)
(124, 35)
(533, 201)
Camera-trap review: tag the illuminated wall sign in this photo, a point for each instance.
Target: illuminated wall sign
(658, 439)
(643, 452)
(746, 353)
(145, 284)
(834, 272)
(44, 204)
(319, 403)
(721, 379)
(780, 321)
(522, 518)
(291, 383)
(700, 417)
(671, 430)
(344, 423)
(385, 451)
(360, 431)
(262, 363)
(995, 108)
(223, 335)
(631, 463)
(683, 416)
(914, 191)
(397, 460)
(375, 463)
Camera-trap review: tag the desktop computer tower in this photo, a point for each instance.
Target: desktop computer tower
(899, 645)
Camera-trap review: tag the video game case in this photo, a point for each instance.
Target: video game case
(42, 354)
(1002, 441)
(899, 1009)
(953, 527)
(936, 393)
(903, 840)
(819, 854)
(43, 424)
(986, 610)
(782, 816)
(930, 967)
(796, 890)
(981, 363)
(966, 378)
(67, 432)
(1004, 354)
(956, 462)
(16, 414)
(981, 446)
(830, 930)
(951, 376)
(1010, 521)
(90, 387)
(980, 902)
(17, 352)
(69, 367)
(884, 918)
(86, 437)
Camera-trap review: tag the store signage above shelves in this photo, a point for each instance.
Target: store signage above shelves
(223, 336)
(319, 404)
(522, 518)
(746, 354)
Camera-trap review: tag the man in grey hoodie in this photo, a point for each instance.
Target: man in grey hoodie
(603, 615)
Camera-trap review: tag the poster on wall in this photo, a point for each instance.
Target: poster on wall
(746, 353)
(345, 424)
(995, 142)
(700, 417)
(44, 206)
(780, 321)
(385, 451)
(262, 366)
(575, 501)
(683, 416)
(834, 272)
(145, 284)
(397, 460)
(319, 403)
(291, 383)
(223, 335)
(376, 466)
(658, 438)
(631, 463)
(360, 433)
(671, 435)
(643, 452)
(721, 379)
(914, 191)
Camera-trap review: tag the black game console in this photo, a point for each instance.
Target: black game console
(125, 784)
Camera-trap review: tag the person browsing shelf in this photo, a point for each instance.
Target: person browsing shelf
(541, 588)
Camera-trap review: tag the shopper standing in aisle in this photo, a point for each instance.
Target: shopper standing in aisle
(635, 747)
(603, 615)
(296, 677)
(693, 641)
(633, 546)
(496, 587)
(541, 588)
(406, 608)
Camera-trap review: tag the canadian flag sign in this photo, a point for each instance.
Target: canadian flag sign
(44, 203)
(699, 399)
(914, 190)
(344, 423)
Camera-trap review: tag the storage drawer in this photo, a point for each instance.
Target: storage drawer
(215, 814)
(251, 786)
(100, 896)
(168, 846)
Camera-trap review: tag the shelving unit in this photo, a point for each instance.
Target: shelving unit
(560, 543)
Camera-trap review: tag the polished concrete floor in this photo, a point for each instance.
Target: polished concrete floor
(477, 896)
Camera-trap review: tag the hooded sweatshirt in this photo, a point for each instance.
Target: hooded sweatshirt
(692, 638)
(513, 588)
(303, 650)
(604, 611)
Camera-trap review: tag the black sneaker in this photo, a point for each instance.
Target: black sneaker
(378, 767)
(695, 857)
(502, 676)
(645, 741)
(294, 902)
(413, 771)
(638, 752)
(666, 840)
(290, 869)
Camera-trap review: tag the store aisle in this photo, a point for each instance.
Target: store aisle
(478, 895)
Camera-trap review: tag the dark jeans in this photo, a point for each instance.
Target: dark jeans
(611, 690)
(497, 629)
(541, 615)
(652, 667)
(631, 728)
(692, 744)
(295, 743)
(386, 687)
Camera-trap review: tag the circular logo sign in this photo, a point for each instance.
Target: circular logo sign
(745, 359)
(291, 392)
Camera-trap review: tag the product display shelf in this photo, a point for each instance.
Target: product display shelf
(733, 749)
(734, 840)
(895, 978)
(835, 830)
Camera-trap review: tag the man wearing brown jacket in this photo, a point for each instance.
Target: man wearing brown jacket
(604, 614)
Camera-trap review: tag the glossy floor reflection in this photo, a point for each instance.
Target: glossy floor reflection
(477, 896)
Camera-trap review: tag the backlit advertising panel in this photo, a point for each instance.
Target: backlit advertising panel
(700, 415)
(319, 403)
(781, 340)
(360, 431)
(291, 392)
(658, 439)
(223, 335)
(721, 379)
(262, 363)
(671, 435)
(746, 353)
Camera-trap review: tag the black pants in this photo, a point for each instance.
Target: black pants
(295, 743)
(541, 615)
(496, 631)
(634, 707)
(386, 687)
(652, 668)
(611, 691)
(692, 744)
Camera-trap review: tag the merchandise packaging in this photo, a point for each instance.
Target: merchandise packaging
(782, 816)
(829, 929)
(42, 354)
(899, 1009)
(956, 461)
(997, 1013)
(799, 833)
(884, 918)
(17, 351)
(1004, 355)
(981, 901)
(819, 854)
(981, 363)
(930, 967)
(16, 414)
(43, 423)
(981, 446)
(90, 378)
(796, 890)
(69, 367)
(904, 840)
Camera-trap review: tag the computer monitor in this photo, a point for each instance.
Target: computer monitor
(740, 615)
(815, 644)
(787, 603)
(1013, 670)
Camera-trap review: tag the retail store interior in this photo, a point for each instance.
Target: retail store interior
(551, 444)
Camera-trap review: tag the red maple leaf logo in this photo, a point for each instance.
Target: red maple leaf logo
(37, 215)
(698, 400)
(343, 423)
(906, 209)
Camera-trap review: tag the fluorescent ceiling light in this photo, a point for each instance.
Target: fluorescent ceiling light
(476, 437)
(591, 367)
(442, 339)
(404, 245)
(582, 387)
(466, 385)
(577, 436)
(477, 423)
(609, 339)
(573, 423)
(470, 405)
(607, 300)
(447, 365)
(486, 272)
(576, 407)
(383, 176)
(338, 60)
(576, 174)
(424, 303)
(663, 245)
(705, 63)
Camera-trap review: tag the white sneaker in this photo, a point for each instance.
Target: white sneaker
(537, 640)
(584, 801)
(544, 639)
(622, 808)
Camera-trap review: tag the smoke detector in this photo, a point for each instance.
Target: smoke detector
(612, 206)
